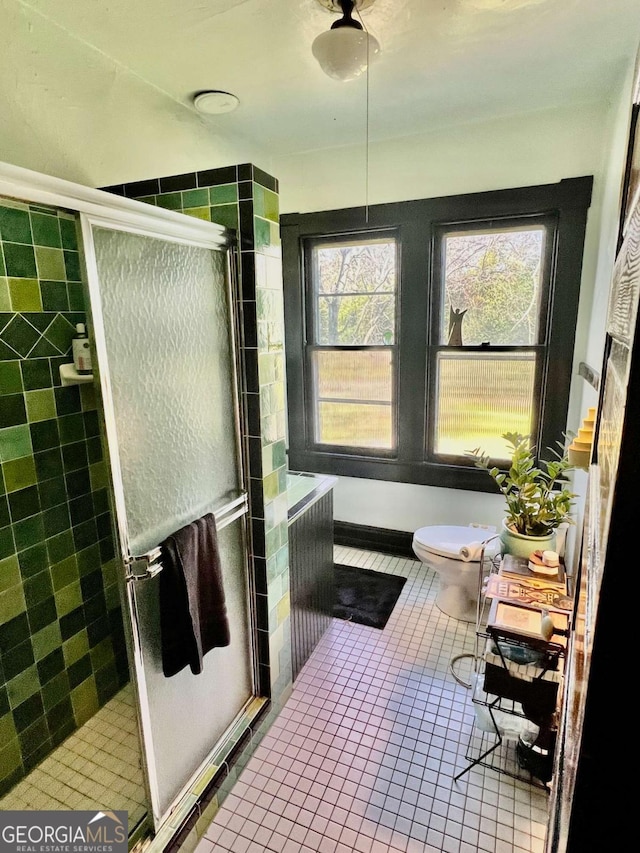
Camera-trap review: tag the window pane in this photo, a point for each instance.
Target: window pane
(355, 425)
(354, 393)
(481, 397)
(354, 288)
(494, 277)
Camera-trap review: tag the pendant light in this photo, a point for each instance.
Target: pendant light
(345, 51)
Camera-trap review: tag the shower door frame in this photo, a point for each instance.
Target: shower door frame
(105, 210)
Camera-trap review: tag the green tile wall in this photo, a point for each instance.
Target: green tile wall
(62, 651)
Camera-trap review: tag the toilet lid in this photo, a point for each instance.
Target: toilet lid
(446, 540)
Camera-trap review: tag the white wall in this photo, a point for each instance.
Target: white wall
(70, 111)
(520, 150)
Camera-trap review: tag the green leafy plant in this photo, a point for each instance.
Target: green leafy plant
(538, 498)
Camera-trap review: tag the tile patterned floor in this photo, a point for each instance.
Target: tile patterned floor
(363, 755)
(97, 766)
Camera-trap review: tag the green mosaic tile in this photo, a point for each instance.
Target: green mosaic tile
(20, 261)
(68, 233)
(42, 615)
(24, 503)
(10, 378)
(84, 699)
(19, 473)
(50, 666)
(279, 451)
(64, 573)
(262, 233)
(14, 225)
(7, 729)
(50, 264)
(12, 603)
(36, 373)
(72, 266)
(112, 597)
(271, 206)
(67, 400)
(41, 405)
(271, 489)
(28, 532)
(56, 520)
(24, 294)
(99, 477)
(170, 201)
(54, 296)
(223, 194)
(5, 298)
(225, 215)
(68, 598)
(55, 691)
(10, 758)
(44, 349)
(9, 573)
(38, 588)
(44, 435)
(75, 295)
(38, 319)
(77, 647)
(46, 640)
(60, 333)
(45, 230)
(15, 442)
(74, 456)
(48, 464)
(23, 686)
(195, 198)
(60, 546)
(20, 335)
(33, 560)
(88, 399)
(198, 213)
(52, 493)
(88, 560)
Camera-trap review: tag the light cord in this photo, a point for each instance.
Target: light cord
(366, 133)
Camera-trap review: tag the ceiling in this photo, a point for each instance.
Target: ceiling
(442, 62)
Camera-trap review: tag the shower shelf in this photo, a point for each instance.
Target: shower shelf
(70, 376)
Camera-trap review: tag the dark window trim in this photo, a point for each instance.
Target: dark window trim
(415, 222)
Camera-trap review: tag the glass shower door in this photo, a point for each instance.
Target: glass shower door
(164, 340)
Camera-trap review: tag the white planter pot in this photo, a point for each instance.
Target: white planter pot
(520, 545)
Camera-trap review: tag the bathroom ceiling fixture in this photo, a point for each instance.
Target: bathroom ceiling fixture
(345, 51)
(214, 102)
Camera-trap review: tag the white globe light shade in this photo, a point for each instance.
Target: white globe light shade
(343, 53)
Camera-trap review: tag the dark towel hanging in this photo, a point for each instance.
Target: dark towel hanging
(193, 613)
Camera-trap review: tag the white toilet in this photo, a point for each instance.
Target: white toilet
(454, 553)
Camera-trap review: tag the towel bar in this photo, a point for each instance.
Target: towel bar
(151, 565)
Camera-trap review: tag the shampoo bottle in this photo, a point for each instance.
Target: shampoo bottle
(81, 350)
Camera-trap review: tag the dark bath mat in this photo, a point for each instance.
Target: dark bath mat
(365, 596)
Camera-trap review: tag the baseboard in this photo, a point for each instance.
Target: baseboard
(396, 542)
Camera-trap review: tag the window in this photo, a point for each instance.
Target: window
(351, 350)
(430, 328)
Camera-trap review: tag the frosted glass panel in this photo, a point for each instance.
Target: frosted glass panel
(189, 713)
(166, 323)
(480, 397)
(169, 357)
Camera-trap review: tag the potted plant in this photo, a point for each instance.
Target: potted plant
(538, 497)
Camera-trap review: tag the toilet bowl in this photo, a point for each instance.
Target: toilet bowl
(454, 554)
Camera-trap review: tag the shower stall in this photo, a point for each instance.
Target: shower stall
(97, 472)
